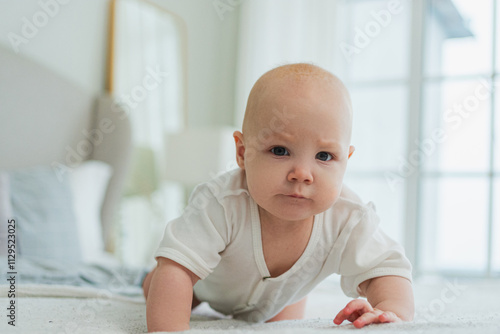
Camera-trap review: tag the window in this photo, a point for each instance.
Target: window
(423, 76)
(457, 181)
(374, 62)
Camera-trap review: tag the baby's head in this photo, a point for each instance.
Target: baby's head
(295, 141)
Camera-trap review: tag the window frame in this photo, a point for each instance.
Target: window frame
(413, 226)
(415, 83)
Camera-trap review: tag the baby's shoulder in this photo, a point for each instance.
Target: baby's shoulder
(347, 203)
(226, 192)
(226, 184)
(348, 194)
(222, 202)
(350, 199)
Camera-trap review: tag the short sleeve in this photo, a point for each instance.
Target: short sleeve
(367, 252)
(195, 239)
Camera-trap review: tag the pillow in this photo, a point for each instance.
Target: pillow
(5, 211)
(89, 182)
(42, 204)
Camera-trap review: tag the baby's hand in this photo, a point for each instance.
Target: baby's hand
(361, 313)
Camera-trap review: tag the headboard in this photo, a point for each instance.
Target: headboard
(46, 120)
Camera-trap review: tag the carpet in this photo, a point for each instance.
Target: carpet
(442, 306)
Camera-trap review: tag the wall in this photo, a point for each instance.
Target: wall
(68, 36)
(73, 42)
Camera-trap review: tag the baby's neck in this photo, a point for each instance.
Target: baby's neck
(274, 225)
(283, 242)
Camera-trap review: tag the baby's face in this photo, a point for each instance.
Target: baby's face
(297, 149)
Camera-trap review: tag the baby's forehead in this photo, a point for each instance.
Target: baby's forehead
(321, 86)
(275, 87)
(299, 70)
(297, 103)
(295, 76)
(299, 77)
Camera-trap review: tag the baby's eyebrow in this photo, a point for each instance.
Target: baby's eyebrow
(283, 135)
(321, 142)
(329, 143)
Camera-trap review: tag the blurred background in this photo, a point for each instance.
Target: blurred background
(423, 77)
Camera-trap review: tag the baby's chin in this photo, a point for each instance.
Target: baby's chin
(295, 212)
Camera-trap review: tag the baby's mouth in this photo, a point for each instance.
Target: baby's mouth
(299, 196)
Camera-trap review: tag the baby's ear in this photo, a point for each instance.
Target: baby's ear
(240, 149)
(351, 151)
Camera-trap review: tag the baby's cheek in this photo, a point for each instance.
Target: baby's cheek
(330, 196)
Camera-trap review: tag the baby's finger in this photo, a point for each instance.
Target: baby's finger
(345, 314)
(340, 317)
(366, 319)
(388, 317)
(353, 316)
(352, 311)
(360, 305)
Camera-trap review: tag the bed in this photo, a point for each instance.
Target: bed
(63, 161)
(75, 148)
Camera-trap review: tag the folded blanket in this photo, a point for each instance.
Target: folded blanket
(109, 276)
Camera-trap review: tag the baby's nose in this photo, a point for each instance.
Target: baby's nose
(300, 174)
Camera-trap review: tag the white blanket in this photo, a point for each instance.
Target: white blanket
(443, 306)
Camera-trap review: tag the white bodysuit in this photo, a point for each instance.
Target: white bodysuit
(218, 238)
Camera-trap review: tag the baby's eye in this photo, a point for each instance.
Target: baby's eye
(324, 156)
(280, 151)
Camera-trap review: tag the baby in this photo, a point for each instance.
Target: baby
(254, 241)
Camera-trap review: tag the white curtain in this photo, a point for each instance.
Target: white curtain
(277, 32)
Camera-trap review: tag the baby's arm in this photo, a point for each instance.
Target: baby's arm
(169, 297)
(390, 299)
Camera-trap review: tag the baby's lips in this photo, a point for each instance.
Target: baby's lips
(295, 195)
